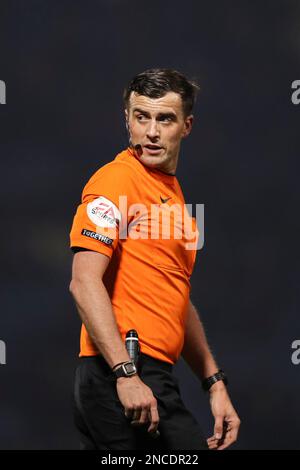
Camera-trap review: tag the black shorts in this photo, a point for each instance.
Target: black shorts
(101, 421)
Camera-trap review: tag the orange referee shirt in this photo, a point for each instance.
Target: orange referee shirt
(131, 213)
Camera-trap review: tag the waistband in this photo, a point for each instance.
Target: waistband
(144, 360)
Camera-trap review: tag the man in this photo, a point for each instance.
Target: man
(127, 275)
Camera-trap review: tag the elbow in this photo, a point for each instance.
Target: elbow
(82, 284)
(75, 286)
(72, 287)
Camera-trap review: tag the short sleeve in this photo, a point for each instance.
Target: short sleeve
(103, 209)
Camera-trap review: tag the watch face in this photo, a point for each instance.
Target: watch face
(130, 368)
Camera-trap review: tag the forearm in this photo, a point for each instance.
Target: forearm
(196, 350)
(95, 309)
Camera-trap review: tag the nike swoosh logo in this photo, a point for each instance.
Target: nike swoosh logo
(164, 200)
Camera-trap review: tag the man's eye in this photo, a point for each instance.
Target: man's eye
(166, 119)
(141, 117)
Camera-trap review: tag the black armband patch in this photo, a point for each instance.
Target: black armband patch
(97, 236)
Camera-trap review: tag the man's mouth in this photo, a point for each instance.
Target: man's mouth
(153, 149)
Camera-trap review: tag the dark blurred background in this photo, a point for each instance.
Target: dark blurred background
(65, 64)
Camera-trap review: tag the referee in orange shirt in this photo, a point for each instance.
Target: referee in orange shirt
(128, 275)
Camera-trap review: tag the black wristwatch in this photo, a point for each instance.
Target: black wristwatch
(209, 381)
(127, 369)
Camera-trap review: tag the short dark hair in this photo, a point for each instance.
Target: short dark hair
(156, 83)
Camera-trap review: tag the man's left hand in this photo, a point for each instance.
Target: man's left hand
(227, 422)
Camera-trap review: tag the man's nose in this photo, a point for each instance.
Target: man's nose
(153, 130)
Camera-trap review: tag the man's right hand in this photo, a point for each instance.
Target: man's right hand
(139, 402)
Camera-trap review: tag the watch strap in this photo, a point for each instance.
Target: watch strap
(122, 372)
(209, 381)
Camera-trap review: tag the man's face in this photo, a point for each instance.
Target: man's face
(158, 125)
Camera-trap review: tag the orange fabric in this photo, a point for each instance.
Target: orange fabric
(147, 279)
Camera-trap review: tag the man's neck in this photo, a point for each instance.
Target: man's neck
(169, 168)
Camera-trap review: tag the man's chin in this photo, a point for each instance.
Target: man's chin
(151, 160)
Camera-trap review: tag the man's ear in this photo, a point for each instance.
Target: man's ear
(127, 125)
(188, 124)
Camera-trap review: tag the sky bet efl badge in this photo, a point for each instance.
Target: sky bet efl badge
(104, 214)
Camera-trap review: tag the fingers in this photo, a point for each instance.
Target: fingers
(154, 417)
(218, 429)
(140, 405)
(228, 437)
(141, 416)
(226, 442)
(219, 444)
(231, 429)
(212, 443)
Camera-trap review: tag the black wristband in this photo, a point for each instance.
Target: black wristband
(209, 381)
